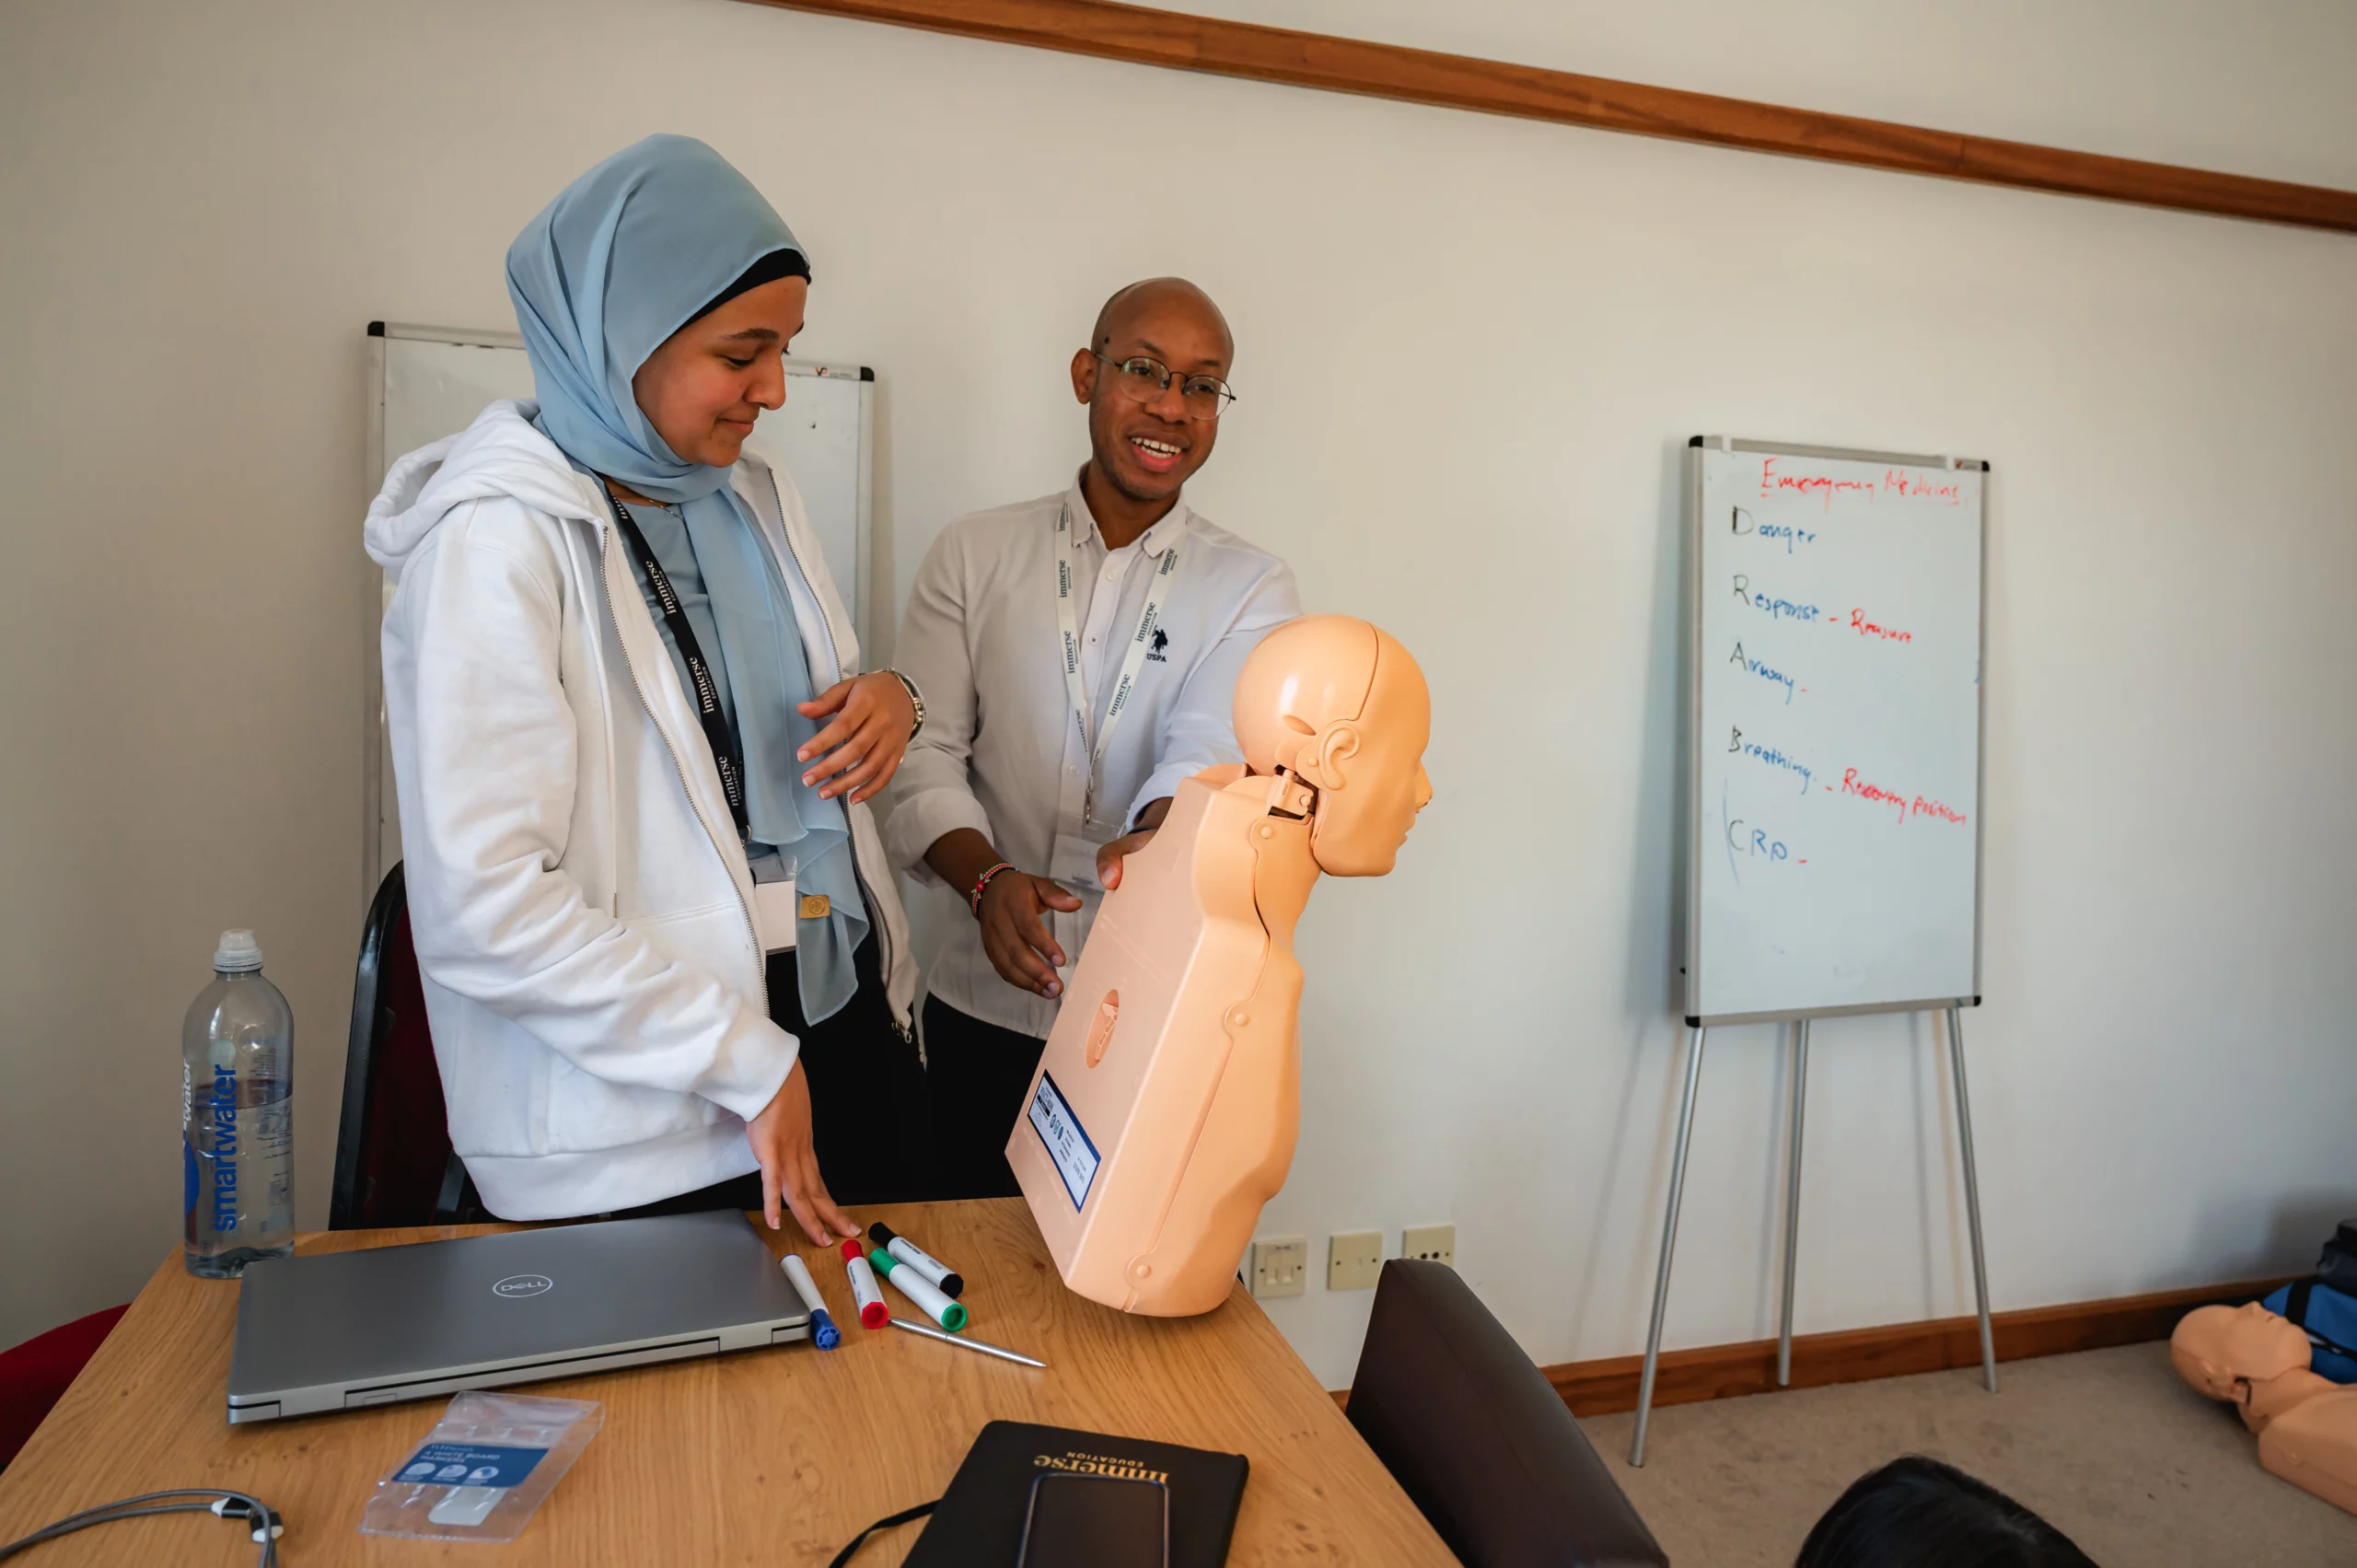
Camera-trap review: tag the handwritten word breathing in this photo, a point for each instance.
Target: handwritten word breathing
(1918, 807)
(1772, 757)
(1764, 672)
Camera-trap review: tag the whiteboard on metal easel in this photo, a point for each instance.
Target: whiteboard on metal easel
(1833, 731)
(428, 382)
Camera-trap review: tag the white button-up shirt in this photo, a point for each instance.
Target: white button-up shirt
(1000, 752)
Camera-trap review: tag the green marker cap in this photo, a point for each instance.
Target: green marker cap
(885, 1263)
(955, 1319)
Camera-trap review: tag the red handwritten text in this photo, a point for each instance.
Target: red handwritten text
(1920, 487)
(1819, 485)
(1865, 628)
(1919, 806)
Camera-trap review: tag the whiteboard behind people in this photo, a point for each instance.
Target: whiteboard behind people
(1834, 823)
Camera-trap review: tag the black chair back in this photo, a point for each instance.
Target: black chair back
(1478, 1438)
(393, 1161)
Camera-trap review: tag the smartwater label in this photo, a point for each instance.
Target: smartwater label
(469, 1464)
(1068, 1144)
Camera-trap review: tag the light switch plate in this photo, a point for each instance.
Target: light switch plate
(1432, 1243)
(1354, 1259)
(1279, 1266)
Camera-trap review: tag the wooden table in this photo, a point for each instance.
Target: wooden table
(760, 1458)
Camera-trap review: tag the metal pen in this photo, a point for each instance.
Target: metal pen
(931, 1333)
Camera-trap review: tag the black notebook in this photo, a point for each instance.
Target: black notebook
(980, 1523)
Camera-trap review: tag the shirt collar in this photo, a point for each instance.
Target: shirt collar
(1154, 541)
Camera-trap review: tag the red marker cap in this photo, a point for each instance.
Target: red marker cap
(850, 1249)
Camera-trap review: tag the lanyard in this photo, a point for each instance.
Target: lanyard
(1141, 642)
(717, 731)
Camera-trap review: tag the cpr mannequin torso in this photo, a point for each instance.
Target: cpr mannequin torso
(2259, 1362)
(1171, 1080)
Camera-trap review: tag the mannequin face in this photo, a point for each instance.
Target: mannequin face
(2218, 1348)
(707, 383)
(1340, 704)
(1372, 773)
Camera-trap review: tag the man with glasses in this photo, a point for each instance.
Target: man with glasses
(1078, 656)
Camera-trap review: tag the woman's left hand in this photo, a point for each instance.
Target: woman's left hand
(864, 747)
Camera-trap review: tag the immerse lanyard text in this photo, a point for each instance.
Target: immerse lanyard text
(1076, 688)
(716, 732)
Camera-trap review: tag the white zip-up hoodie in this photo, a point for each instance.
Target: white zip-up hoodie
(581, 904)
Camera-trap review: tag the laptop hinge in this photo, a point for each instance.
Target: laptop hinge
(531, 1372)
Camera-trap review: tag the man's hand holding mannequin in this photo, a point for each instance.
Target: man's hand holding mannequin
(1108, 858)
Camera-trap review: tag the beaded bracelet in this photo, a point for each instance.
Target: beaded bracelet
(983, 882)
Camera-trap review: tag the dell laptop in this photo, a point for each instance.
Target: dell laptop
(339, 1331)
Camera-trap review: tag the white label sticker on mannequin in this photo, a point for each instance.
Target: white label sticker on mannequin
(1068, 1146)
(775, 909)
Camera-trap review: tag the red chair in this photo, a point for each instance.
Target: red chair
(34, 1376)
(394, 1164)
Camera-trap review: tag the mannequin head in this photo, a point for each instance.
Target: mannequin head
(1340, 704)
(2221, 1350)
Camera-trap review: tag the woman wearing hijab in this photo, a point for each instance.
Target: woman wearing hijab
(665, 964)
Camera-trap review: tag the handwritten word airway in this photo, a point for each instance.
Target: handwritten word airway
(1918, 807)
(1865, 628)
(1764, 672)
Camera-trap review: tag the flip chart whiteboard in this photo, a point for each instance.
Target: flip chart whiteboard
(428, 382)
(1833, 847)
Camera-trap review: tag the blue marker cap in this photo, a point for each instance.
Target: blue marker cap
(823, 1332)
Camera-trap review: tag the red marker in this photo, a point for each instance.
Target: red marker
(873, 1313)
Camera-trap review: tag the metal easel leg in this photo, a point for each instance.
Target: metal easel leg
(1972, 1202)
(1668, 1243)
(1792, 1202)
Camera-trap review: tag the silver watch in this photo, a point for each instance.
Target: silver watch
(916, 700)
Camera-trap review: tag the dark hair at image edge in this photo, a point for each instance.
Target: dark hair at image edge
(1917, 1512)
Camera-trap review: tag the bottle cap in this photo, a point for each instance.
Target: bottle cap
(238, 953)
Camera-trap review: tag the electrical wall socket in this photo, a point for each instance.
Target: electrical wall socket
(1279, 1266)
(1354, 1259)
(1432, 1243)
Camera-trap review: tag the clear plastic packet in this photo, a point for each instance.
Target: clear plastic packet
(485, 1470)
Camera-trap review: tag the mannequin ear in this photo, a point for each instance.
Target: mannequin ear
(1321, 761)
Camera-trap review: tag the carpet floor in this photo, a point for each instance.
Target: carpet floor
(2108, 1446)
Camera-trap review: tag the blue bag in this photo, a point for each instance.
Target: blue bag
(2327, 1315)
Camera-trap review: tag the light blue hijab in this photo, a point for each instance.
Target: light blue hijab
(631, 252)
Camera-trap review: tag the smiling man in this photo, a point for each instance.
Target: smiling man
(1078, 656)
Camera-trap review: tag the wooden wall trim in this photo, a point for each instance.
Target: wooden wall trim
(1144, 36)
(1895, 1349)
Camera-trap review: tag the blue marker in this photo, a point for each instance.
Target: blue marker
(823, 1332)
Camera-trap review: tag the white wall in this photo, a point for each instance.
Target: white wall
(1470, 352)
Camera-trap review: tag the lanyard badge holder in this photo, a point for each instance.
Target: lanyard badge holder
(776, 908)
(1075, 862)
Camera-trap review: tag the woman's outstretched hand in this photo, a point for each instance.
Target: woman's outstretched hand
(781, 1140)
(863, 747)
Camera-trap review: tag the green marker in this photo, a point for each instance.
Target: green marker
(950, 1315)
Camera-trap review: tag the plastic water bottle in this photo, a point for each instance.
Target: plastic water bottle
(237, 1116)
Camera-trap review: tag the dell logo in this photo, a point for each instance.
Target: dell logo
(523, 1285)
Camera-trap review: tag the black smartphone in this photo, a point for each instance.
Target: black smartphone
(1077, 1520)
